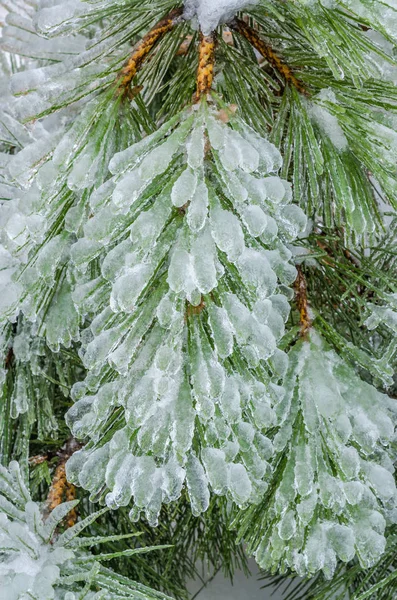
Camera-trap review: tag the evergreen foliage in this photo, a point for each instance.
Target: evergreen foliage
(37, 562)
(198, 303)
(201, 261)
(333, 481)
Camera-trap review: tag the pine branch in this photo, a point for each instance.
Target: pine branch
(149, 238)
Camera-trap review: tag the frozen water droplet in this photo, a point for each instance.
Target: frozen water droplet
(257, 273)
(221, 330)
(287, 526)
(350, 462)
(254, 219)
(203, 262)
(198, 208)
(128, 287)
(342, 540)
(195, 148)
(216, 133)
(197, 486)
(239, 483)
(180, 272)
(227, 233)
(216, 468)
(184, 188)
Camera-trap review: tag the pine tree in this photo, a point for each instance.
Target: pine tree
(199, 310)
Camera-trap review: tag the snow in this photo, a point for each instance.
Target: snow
(211, 13)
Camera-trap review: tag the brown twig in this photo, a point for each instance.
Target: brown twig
(61, 490)
(205, 71)
(143, 48)
(302, 302)
(9, 358)
(268, 53)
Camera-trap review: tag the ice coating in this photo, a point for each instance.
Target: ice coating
(383, 314)
(40, 562)
(382, 14)
(31, 392)
(184, 254)
(327, 121)
(336, 490)
(30, 564)
(61, 184)
(220, 275)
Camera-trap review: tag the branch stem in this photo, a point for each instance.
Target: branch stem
(205, 71)
(268, 53)
(60, 488)
(143, 48)
(302, 302)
